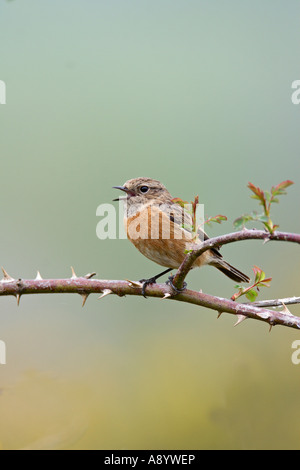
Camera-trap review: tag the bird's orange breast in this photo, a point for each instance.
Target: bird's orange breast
(157, 237)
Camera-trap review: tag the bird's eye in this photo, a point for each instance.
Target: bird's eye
(144, 189)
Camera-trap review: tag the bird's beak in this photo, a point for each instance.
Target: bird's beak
(122, 188)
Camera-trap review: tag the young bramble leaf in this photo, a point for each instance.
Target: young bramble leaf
(217, 219)
(264, 283)
(239, 222)
(242, 220)
(259, 274)
(251, 292)
(252, 217)
(258, 193)
(178, 200)
(265, 198)
(285, 184)
(280, 188)
(254, 189)
(251, 295)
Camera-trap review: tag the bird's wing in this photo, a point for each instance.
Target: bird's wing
(183, 219)
(169, 222)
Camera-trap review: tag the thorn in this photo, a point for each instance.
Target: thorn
(219, 314)
(240, 319)
(285, 310)
(270, 327)
(18, 296)
(73, 273)
(134, 283)
(266, 240)
(166, 296)
(6, 276)
(90, 275)
(105, 293)
(84, 296)
(38, 276)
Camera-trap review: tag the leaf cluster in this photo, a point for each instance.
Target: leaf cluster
(252, 291)
(266, 199)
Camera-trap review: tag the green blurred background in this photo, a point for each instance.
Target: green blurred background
(196, 94)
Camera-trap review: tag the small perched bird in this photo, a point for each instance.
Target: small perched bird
(160, 229)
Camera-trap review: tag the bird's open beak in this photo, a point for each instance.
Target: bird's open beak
(122, 188)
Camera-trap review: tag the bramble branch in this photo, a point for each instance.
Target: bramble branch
(86, 285)
(216, 242)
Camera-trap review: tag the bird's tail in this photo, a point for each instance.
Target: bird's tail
(231, 271)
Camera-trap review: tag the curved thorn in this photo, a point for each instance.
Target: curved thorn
(90, 275)
(6, 276)
(105, 293)
(240, 319)
(136, 284)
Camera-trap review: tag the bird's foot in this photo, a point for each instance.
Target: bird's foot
(175, 289)
(146, 283)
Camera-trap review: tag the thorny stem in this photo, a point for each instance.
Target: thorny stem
(86, 286)
(216, 242)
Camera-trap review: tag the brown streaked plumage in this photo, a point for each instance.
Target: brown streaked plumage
(154, 224)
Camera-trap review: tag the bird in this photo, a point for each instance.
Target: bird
(161, 230)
